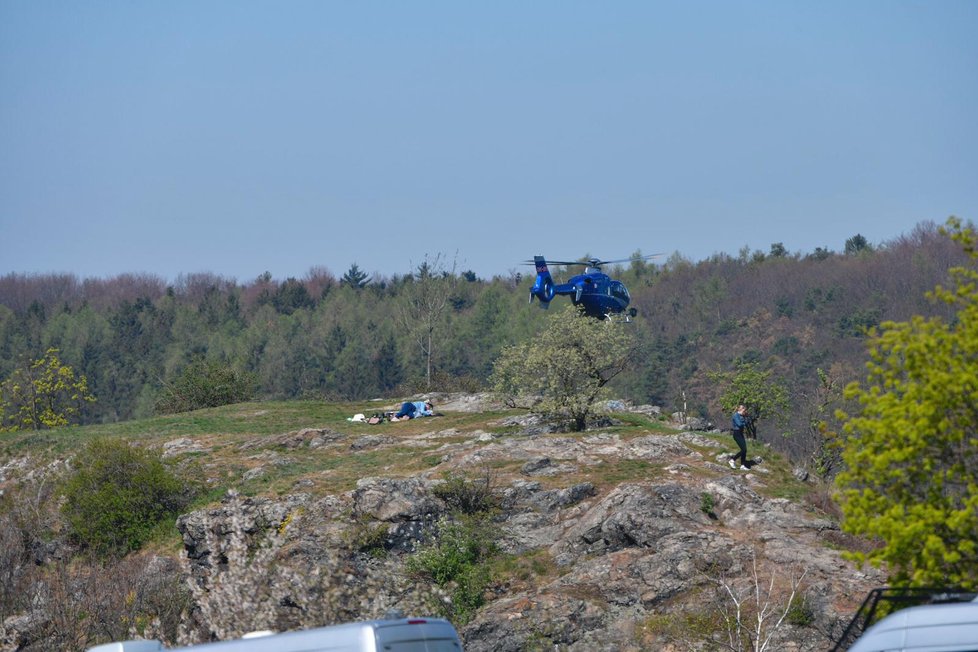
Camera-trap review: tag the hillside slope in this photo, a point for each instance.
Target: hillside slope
(631, 536)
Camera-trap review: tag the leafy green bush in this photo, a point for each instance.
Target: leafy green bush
(118, 495)
(458, 558)
(206, 383)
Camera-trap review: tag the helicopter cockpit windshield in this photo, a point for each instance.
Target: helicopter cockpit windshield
(620, 292)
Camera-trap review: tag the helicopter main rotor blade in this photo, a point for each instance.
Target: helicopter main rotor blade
(599, 263)
(558, 262)
(594, 262)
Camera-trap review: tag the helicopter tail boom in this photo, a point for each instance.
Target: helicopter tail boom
(543, 287)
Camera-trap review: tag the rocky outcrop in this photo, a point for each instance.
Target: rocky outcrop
(639, 540)
(252, 516)
(625, 555)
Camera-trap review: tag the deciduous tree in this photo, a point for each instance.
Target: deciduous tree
(563, 370)
(44, 393)
(426, 305)
(911, 452)
(765, 397)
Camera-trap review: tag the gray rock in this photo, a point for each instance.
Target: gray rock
(394, 499)
(651, 411)
(304, 438)
(370, 441)
(630, 516)
(182, 446)
(534, 466)
(256, 514)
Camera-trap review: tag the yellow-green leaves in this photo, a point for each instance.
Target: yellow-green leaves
(44, 393)
(912, 451)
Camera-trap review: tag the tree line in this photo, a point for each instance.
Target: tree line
(799, 317)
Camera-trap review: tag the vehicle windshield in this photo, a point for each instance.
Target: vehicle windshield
(619, 291)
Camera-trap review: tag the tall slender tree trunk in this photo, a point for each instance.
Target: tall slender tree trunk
(428, 374)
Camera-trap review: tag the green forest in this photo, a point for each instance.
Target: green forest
(801, 317)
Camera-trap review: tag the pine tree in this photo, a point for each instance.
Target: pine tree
(355, 278)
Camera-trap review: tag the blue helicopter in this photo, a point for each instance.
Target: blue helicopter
(597, 294)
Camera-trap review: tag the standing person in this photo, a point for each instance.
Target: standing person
(738, 423)
(413, 410)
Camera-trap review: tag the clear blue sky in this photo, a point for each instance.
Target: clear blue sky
(237, 137)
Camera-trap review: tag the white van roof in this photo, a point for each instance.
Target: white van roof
(129, 646)
(400, 635)
(927, 628)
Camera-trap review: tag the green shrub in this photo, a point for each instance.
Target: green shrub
(800, 612)
(459, 559)
(203, 384)
(707, 503)
(118, 495)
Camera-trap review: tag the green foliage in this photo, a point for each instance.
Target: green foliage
(817, 299)
(820, 253)
(355, 278)
(911, 451)
(786, 346)
(857, 244)
(764, 397)
(800, 613)
(459, 559)
(44, 393)
(206, 383)
(533, 565)
(562, 371)
(858, 323)
(626, 470)
(785, 307)
(707, 503)
(819, 402)
(291, 295)
(118, 495)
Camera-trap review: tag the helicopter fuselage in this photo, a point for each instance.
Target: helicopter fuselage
(597, 294)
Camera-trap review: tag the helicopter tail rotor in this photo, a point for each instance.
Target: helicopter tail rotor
(543, 287)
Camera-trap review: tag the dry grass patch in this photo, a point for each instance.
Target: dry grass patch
(518, 573)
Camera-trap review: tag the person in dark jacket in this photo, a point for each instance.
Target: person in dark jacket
(738, 423)
(413, 411)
